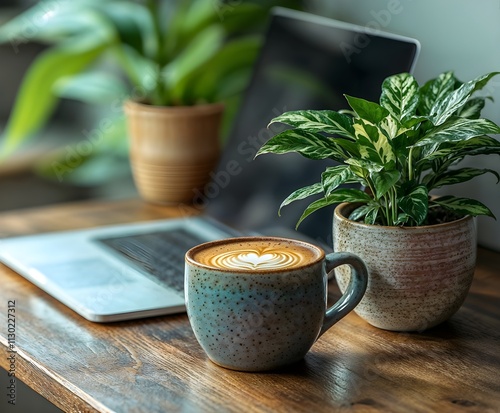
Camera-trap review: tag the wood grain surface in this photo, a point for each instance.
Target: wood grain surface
(156, 364)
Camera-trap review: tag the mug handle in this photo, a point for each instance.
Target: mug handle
(354, 292)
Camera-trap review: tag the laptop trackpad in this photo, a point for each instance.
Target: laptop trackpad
(84, 273)
(102, 292)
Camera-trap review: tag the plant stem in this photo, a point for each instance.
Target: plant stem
(387, 211)
(394, 205)
(410, 165)
(159, 96)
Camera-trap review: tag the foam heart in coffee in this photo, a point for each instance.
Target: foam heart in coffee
(257, 255)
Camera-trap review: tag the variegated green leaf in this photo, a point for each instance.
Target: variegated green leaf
(452, 102)
(367, 213)
(485, 150)
(456, 176)
(302, 193)
(308, 144)
(472, 108)
(400, 149)
(335, 176)
(435, 90)
(362, 167)
(479, 145)
(416, 203)
(384, 181)
(407, 134)
(351, 148)
(481, 81)
(458, 129)
(340, 195)
(370, 111)
(464, 206)
(372, 215)
(326, 121)
(373, 144)
(390, 127)
(349, 112)
(400, 96)
(413, 122)
(402, 219)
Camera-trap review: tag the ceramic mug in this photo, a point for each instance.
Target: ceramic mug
(259, 303)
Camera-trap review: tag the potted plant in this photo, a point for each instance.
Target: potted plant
(174, 63)
(420, 249)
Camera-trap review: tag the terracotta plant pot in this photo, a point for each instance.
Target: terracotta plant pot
(173, 149)
(419, 276)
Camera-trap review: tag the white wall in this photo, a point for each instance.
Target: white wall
(458, 35)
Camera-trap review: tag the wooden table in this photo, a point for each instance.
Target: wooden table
(156, 365)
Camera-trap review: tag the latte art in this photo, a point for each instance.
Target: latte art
(253, 259)
(258, 255)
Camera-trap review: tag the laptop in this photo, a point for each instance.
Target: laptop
(136, 270)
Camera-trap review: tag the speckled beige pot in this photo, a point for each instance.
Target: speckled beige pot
(419, 276)
(173, 149)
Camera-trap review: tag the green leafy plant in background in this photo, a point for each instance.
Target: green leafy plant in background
(399, 149)
(171, 52)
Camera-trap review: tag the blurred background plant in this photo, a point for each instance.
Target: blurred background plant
(102, 52)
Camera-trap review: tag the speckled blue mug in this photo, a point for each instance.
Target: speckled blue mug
(260, 303)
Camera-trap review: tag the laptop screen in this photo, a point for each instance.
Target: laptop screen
(307, 62)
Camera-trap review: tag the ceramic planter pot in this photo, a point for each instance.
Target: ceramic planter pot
(173, 149)
(419, 276)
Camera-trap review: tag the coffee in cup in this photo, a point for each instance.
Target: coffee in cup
(260, 255)
(259, 303)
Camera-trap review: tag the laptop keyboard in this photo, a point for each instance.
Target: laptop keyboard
(160, 255)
